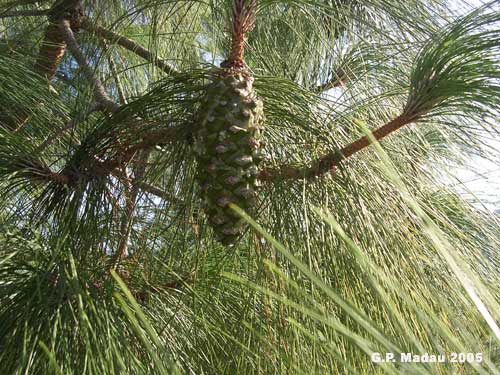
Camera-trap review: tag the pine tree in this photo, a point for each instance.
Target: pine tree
(242, 186)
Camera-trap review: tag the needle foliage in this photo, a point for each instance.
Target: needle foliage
(107, 262)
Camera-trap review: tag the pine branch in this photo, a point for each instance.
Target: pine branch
(131, 193)
(114, 165)
(130, 45)
(157, 192)
(70, 125)
(127, 151)
(103, 100)
(100, 94)
(340, 78)
(456, 73)
(39, 173)
(329, 162)
(25, 13)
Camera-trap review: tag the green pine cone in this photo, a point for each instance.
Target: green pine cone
(227, 146)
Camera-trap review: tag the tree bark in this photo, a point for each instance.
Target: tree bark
(329, 162)
(130, 45)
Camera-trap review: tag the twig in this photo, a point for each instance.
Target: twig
(102, 168)
(126, 223)
(130, 45)
(68, 127)
(329, 162)
(38, 172)
(131, 193)
(100, 94)
(25, 13)
(114, 74)
(14, 3)
(102, 98)
(119, 87)
(137, 183)
(157, 192)
(338, 81)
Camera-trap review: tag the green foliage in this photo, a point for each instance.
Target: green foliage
(457, 72)
(379, 256)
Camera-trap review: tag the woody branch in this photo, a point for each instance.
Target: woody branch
(328, 163)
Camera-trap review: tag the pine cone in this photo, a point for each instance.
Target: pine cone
(227, 146)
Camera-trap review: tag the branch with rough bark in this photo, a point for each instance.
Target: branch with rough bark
(114, 164)
(59, 36)
(130, 45)
(51, 52)
(100, 95)
(325, 164)
(131, 193)
(39, 173)
(328, 162)
(52, 37)
(25, 13)
(53, 45)
(102, 98)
